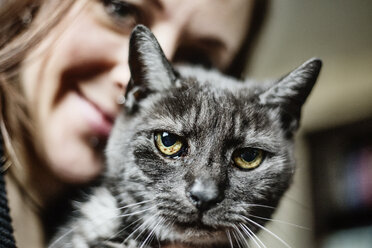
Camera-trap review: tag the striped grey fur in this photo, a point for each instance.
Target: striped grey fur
(144, 197)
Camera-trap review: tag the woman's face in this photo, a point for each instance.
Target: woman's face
(74, 80)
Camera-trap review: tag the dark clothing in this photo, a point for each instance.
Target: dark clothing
(6, 230)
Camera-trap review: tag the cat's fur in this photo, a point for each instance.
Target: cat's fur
(144, 197)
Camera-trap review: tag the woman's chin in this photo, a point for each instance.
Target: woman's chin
(81, 168)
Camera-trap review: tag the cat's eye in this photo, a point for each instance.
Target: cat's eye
(169, 144)
(248, 158)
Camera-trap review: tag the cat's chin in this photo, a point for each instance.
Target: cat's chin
(188, 245)
(197, 235)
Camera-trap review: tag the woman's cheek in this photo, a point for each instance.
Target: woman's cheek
(70, 60)
(69, 154)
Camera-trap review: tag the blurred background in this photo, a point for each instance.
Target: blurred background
(330, 203)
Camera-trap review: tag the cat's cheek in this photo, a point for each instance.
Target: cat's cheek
(100, 217)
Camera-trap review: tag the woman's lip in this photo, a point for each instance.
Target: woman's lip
(105, 114)
(100, 122)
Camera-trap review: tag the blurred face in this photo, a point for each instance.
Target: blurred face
(75, 79)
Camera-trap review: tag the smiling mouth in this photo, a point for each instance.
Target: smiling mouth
(107, 116)
(99, 121)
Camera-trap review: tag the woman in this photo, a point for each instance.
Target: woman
(63, 72)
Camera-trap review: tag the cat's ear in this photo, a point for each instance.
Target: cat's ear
(290, 93)
(150, 70)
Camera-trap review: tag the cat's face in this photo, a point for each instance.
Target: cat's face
(206, 157)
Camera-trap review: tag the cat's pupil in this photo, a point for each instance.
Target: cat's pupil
(168, 139)
(249, 155)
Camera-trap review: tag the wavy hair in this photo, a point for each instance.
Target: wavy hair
(23, 23)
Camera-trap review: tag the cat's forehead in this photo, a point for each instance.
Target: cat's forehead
(213, 109)
(215, 81)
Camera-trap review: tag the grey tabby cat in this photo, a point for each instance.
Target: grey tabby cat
(195, 159)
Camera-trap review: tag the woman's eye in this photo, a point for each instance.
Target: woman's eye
(248, 158)
(169, 144)
(123, 13)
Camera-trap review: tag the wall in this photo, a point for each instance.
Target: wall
(340, 33)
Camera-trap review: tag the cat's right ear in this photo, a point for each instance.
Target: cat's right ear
(290, 93)
(150, 70)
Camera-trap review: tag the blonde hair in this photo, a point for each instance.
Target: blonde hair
(23, 24)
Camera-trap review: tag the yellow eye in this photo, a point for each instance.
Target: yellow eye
(169, 144)
(248, 158)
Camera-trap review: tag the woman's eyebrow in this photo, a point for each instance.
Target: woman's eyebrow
(156, 3)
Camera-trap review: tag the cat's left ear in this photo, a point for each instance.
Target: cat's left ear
(290, 93)
(150, 70)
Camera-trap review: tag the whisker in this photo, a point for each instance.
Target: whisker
(151, 234)
(169, 224)
(138, 212)
(260, 205)
(101, 213)
(131, 214)
(296, 201)
(229, 238)
(236, 238)
(102, 221)
(126, 227)
(259, 240)
(249, 235)
(145, 227)
(140, 226)
(253, 235)
(62, 236)
(113, 217)
(242, 238)
(268, 231)
(281, 221)
(134, 204)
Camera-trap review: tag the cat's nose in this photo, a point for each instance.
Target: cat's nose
(204, 194)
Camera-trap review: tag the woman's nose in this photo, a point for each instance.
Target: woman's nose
(120, 76)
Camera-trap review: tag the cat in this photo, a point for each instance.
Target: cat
(195, 159)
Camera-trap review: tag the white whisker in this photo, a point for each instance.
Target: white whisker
(260, 205)
(151, 234)
(268, 231)
(280, 221)
(254, 236)
(62, 236)
(242, 238)
(123, 229)
(101, 213)
(134, 204)
(139, 227)
(249, 235)
(229, 238)
(236, 238)
(138, 212)
(145, 227)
